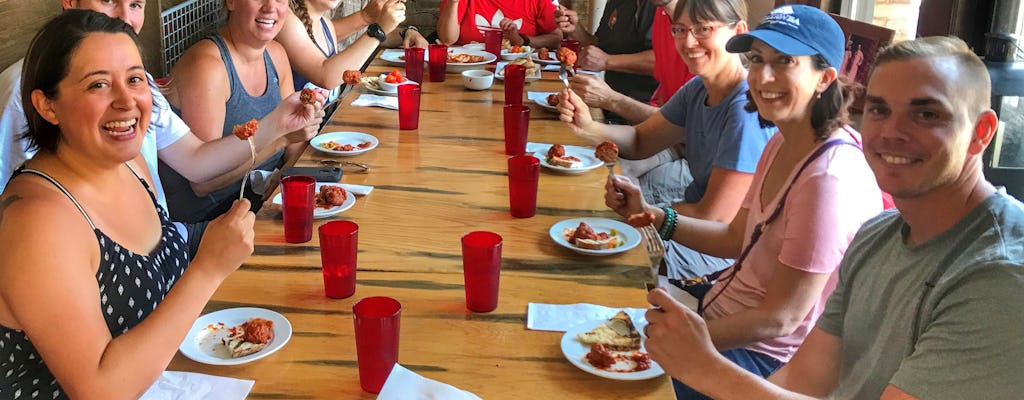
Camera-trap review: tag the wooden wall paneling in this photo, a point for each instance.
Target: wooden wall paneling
(19, 21)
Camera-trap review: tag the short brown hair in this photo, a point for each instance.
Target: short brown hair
(972, 76)
(728, 11)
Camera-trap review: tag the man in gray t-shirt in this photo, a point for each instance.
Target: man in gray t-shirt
(927, 304)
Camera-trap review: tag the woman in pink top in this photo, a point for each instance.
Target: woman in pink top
(522, 22)
(812, 176)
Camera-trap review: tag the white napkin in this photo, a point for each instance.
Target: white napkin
(358, 190)
(534, 147)
(174, 385)
(679, 294)
(539, 97)
(404, 384)
(562, 317)
(367, 100)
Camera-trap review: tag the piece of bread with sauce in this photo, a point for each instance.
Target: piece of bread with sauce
(616, 334)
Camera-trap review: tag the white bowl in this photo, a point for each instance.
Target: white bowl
(391, 87)
(477, 79)
(509, 56)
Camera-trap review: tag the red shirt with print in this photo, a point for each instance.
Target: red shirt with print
(534, 17)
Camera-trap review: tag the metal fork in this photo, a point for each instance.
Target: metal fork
(655, 253)
(563, 74)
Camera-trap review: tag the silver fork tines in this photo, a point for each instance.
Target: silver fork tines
(563, 74)
(655, 253)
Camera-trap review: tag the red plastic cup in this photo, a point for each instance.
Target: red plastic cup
(376, 327)
(517, 125)
(339, 243)
(481, 268)
(492, 43)
(438, 62)
(515, 78)
(414, 64)
(573, 45)
(523, 174)
(408, 107)
(297, 207)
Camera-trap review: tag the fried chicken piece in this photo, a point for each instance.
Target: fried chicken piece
(556, 150)
(584, 231)
(640, 220)
(258, 330)
(246, 130)
(307, 96)
(351, 77)
(553, 99)
(566, 56)
(331, 196)
(607, 152)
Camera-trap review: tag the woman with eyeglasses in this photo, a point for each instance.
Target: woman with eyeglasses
(723, 141)
(810, 194)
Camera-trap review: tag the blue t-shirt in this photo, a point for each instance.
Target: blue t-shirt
(724, 135)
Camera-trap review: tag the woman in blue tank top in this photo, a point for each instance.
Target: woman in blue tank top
(237, 75)
(88, 258)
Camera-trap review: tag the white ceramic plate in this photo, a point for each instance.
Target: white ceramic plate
(552, 61)
(396, 57)
(587, 161)
(576, 352)
(629, 236)
(459, 67)
(509, 56)
(319, 212)
(473, 46)
(202, 343)
(353, 138)
(544, 103)
(500, 74)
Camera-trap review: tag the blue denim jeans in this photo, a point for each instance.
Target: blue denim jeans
(752, 361)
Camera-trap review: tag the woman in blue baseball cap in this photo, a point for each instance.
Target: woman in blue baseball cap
(811, 191)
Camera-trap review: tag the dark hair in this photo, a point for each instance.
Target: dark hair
(48, 63)
(299, 9)
(728, 11)
(829, 111)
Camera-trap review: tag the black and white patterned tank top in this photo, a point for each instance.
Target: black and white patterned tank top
(131, 285)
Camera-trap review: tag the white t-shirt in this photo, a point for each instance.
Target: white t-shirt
(165, 128)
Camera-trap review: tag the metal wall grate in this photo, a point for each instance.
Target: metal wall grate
(185, 24)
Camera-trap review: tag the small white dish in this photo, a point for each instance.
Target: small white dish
(396, 57)
(343, 138)
(203, 344)
(587, 161)
(508, 55)
(320, 212)
(477, 79)
(392, 87)
(576, 352)
(628, 235)
(500, 74)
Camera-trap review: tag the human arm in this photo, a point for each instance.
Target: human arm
(305, 57)
(510, 31)
(678, 339)
(593, 58)
(347, 25)
(67, 327)
(448, 22)
(596, 93)
(413, 39)
(642, 141)
(568, 22)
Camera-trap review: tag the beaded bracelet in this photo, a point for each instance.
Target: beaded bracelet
(668, 226)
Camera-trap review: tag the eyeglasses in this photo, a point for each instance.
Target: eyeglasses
(698, 31)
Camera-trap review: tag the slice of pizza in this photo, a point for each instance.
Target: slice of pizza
(616, 334)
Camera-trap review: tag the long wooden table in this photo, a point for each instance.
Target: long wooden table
(431, 187)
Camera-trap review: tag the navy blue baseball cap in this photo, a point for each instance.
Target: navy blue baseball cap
(797, 30)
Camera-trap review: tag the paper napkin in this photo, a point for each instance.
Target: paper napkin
(175, 385)
(404, 384)
(358, 190)
(562, 317)
(368, 100)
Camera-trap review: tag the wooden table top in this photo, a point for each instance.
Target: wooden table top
(431, 186)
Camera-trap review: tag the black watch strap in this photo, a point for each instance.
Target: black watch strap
(526, 40)
(375, 31)
(406, 30)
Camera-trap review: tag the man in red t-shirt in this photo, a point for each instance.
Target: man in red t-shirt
(523, 22)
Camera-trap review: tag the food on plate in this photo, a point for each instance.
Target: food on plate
(332, 145)
(531, 67)
(544, 54)
(370, 82)
(351, 77)
(585, 237)
(607, 151)
(641, 220)
(506, 44)
(463, 58)
(616, 361)
(249, 337)
(519, 49)
(394, 77)
(618, 333)
(246, 130)
(307, 96)
(556, 156)
(331, 196)
(553, 99)
(566, 56)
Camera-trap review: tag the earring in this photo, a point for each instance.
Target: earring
(817, 95)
